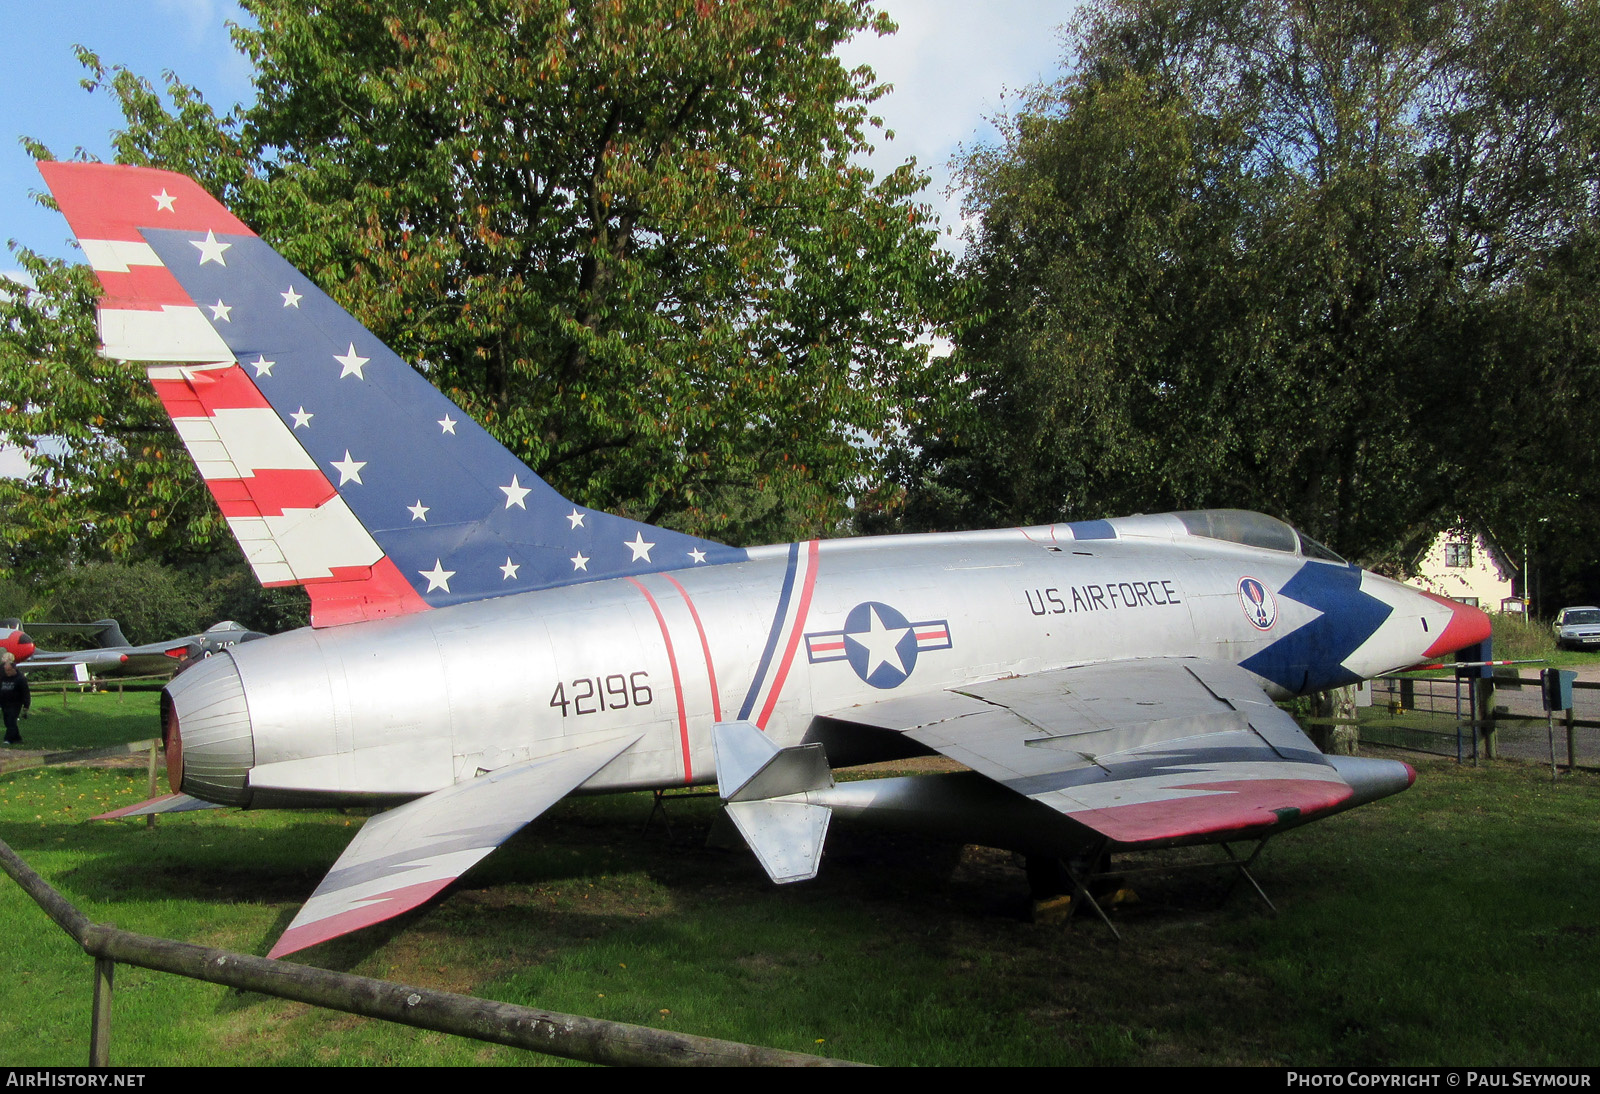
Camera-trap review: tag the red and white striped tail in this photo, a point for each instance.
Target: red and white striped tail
(282, 508)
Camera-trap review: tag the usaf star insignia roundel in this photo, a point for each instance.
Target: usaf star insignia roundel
(880, 643)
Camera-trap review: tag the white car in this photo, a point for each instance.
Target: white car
(1578, 628)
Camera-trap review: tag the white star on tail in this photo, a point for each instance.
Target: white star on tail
(880, 642)
(349, 470)
(438, 577)
(515, 494)
(291, 299)
(447, 424)
(352, 363)
(698, 556)
(211, 248)
(579, 562)
(262, 366)
(302, 417)
(576, 519)
(419, 511)
(164, 201)
(640, 549)
(509, 570)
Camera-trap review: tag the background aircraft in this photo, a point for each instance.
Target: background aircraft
(113, 653)
(482, 647)
(14, 640)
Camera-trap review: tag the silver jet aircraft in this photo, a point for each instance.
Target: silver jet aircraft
(481, 647)
(115, 655)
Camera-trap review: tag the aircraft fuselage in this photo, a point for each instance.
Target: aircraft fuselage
(402, 707)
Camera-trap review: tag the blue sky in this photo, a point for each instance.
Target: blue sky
(40, 94)
(953, 63)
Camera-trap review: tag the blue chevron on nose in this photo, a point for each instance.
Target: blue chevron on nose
(1311, 657)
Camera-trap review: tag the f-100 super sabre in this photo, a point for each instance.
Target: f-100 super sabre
(481, 647)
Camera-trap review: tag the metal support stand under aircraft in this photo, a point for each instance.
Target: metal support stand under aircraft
(1083, 880)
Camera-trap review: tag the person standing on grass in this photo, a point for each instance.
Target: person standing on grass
(14, 697)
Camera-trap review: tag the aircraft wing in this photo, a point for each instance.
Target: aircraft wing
(165, 803)
(1151, 752)
(403, 857)
(97, 660)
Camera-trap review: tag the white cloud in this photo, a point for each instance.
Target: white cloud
(954, 65)
(14, 463)
(199, 19)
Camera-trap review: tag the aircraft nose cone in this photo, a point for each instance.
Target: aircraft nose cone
(210, 743)
(1467, 627)
(25, 647)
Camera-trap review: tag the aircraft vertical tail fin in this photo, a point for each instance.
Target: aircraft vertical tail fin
(337, 465)
(109, 634)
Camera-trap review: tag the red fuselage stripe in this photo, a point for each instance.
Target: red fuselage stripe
(705, 648)
(794, 634)
(677, 682)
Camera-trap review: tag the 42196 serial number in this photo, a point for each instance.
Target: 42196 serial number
(593, 694)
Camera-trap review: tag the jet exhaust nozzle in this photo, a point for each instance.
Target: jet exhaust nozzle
(206, 727)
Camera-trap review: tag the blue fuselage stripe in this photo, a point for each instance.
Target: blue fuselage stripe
(772, 635)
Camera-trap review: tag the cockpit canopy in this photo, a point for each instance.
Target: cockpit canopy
(1253, 530)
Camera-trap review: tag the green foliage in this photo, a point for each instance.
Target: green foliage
(152, 602)
(1262, 255)
(625, 236)
(1518, 638)
(111, 478)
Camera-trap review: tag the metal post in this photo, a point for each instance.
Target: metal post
(1485, 702)
(150, 819)
(1473, 711)
(1572, 743)
(100, 1023)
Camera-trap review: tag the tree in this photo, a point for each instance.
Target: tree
(625, 235)
(112, 478)
(1240, 253)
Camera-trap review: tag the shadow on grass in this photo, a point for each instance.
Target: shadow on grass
(1453, 924)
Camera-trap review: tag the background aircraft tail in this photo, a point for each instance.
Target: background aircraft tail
(336, 464)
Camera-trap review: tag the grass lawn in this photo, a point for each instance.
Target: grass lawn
(62, 717)
(1457, 923)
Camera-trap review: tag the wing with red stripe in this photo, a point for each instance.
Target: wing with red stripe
(402, 858)
(1146, 753)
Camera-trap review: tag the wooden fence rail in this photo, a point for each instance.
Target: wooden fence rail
(574, 1037)
(1410, 690)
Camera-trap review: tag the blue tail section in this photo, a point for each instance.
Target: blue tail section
(461, 517)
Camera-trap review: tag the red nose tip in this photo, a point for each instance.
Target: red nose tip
(1467, 627)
